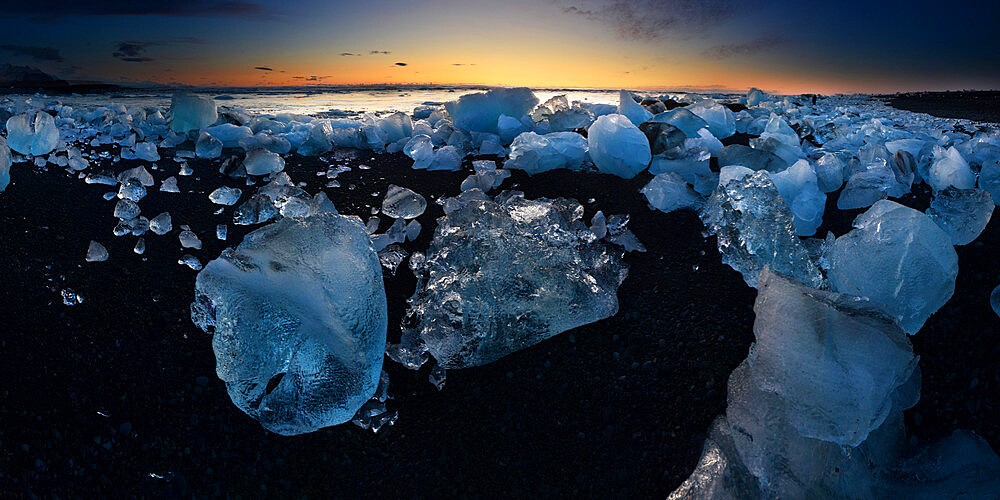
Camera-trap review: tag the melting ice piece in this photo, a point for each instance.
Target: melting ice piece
(132, 190)
(190, 261)
(754, 159)
(96, 252)
(207, 146)
(618, 147)
(189, 239)
(480, 112)
(169, 185)
(299, 314)
(32, 134)
(259, 208)
(720, 120)
(668, 192)
(138, 173)
(829, 173)
(5, 163)
(686, 121)
(161, 224)
(756, 96)
(535, 153)
(799, 188)
(898, 258)
(403, 203)
(228, 134)
(225, 195)
(140, 246)
(867, 186)
(989, 179)
(950, 169)
(631, 109)
(190, 112)
(502, 276)
(220, 232)
(962, 213)
(263, 162)
(126, 209)
(755, 228)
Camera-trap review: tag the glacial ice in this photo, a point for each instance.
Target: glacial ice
(950, 169)
(503, 275)
(5, 163)
(207, 147)
(618, 147)
(32, 135)
(829, 173)
(225, 195)
(263, 162)
(169, 185)
(161, 224)
(403, 203)
(479, 112)
(536, 153)
(867, 186)
(754, 159)
(962, 213)
(995, 300)
(756, 96)
(755, 228)
(683, 119)
(631, 109)
(189, 240)
(299, 316)
(662, 136)
(96, 252)
(228, 134)
(126, 209)
(668, 192)
(989, 179)
(131, 189)
(189, 112)
(720, 120)
(898, 258)
(799, 188)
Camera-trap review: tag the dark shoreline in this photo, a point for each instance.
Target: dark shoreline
(980, 106)
(105, 393)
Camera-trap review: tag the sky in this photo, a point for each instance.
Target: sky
(788, 47)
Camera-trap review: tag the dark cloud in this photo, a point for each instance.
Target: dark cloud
(462, 64)
(134, 50)
(380, 52)
(263, 68)
(762, 44)
(400, 64)
(349, 54)
(47, 10)
(312, 78)
(38, 53)
(650, 20)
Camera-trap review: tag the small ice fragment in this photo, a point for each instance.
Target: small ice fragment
(140, 246)
(70, 297)
(412, 230)
(189, 240)
(126, 209)
(96, 252)
(263, 162)
(220, 232)
(161, 224)
(131, 190)
(169, 185)
(110, 195)
(225, 195)
(403, 203)
(190, 261)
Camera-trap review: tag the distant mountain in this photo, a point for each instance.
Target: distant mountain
(19, 78)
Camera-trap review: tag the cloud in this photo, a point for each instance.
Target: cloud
(650, 20)
(263, 68)
(37, 53)
(380, 52)
(400, 64)
(48, 10)
(311, 78)
(762, 44)
(463, 64)
(349, 54)
(134, 50)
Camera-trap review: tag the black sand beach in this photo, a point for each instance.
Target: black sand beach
(118, 396)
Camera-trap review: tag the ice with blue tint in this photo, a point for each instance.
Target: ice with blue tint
(995, 300)
(720, 119)
(867, 185)
(799, 188)
(32, 134)
(962, 213)
(686, 121)
(779, 129)
(207, 146)
(480, 111)
(949, 168)
(230, 135)
(829, 173)
(503, 275)
(263, 162)
(536, 153)
(756, 96)
(989, 179)
(900, 259)
(755, 228)
(5, 163)
(403, 203)
(298, 312)
(225, 195)
(631, 109)
(669, 191)
(190, 112)
(754, 159)
(618, 147)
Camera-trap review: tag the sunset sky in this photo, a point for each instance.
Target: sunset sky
(845, 46)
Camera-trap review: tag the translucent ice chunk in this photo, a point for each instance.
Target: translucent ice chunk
(225, 195)
(618, 147)
(668, 192)
(403, 203)
(96, 252)
(535, 153)
(962, 213)
(34, 134)
(190, 112)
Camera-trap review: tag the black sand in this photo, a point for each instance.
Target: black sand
(99, 396)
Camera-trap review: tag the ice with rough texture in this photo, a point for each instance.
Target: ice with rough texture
(989, 179)
(536, 153)
(618, 147)
(403, 203)
(898, 258)
(481, 111)
(686, 121)
(263, 162)
(169, 185)
(161, 224)
(5, 163)
(829, 173)
(503, 275)
(962, 213)
(950, 169)
(756, 96)
(190, 112)
(96, 252)
(867, 186)
(131, 189)
(995, 300)
(207, 146)
(298, 311)
(189, 240)
(631, 109)
(799, 188)
(755, 228)
(721, 121)
(126, 209)
(668, 192)
(225, 195)
(32, 134)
